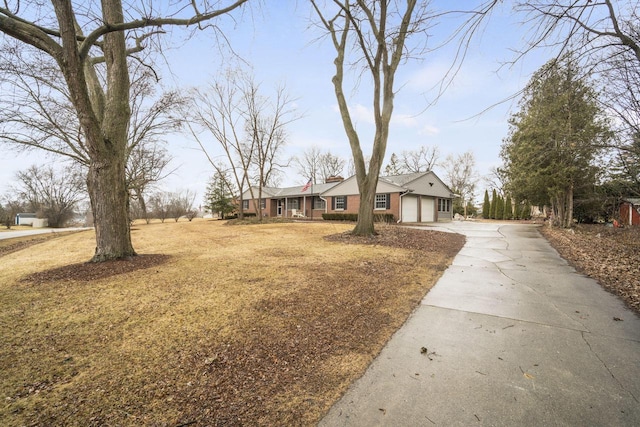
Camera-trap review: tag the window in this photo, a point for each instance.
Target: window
(245, 205)
(382, 201)
(263, 204)
(340, 202)
(293, 204)
(318, 203)
(444, 205)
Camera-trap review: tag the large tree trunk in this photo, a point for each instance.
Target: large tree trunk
(365, 224)
(106, 179)
(104, 116)
(109, 196)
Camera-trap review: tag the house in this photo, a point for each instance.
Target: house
(416, 197)
(290, 202)
(630, 211)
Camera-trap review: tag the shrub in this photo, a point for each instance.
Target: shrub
(340, 216)
(386, 217)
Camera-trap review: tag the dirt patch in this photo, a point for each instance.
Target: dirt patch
(609, 255)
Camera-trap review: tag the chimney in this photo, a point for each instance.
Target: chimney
(333, 179)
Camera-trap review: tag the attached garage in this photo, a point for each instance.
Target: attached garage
(419, 197)
(427, 209)
(409, 208)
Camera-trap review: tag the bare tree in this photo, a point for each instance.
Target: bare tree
(308, 165)
(497, 179)
(45, 119)
(600, 31)
(423, 159)
(217, 112)
(377, 31)
(317, 166)
(160, 204)
(9, 208)
(604, 36)
(51, 193)
(250, 129)
(146, 165)
(462, 177)
(266, 121)
(393, 167)
(181, 204)
(330, 165)
(81, 44)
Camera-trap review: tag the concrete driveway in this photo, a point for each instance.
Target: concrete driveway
(510, 335)
(10, 234)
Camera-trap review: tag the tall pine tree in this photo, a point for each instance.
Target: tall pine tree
(494, 203)
(486, 205)
(219, 195)
(500, 208)
(554, 138)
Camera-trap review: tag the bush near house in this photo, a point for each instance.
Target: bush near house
(387, 218)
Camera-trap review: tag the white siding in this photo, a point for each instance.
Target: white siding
(429, 184)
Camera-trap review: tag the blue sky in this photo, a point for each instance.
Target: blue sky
(281, 48)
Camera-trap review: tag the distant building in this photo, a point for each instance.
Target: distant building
(26, 218)
(630, 211)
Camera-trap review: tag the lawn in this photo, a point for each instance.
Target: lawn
(212, 325)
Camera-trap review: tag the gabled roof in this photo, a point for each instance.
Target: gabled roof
(402, 180)
(274, 192)
(297, 190)
(421, 183)
(633, 200)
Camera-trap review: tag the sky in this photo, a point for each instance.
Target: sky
(281, 47)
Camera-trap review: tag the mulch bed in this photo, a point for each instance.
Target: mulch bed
(609, 255)
(88, 271)
(406, 238)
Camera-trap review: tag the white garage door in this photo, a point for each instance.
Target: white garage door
(427, 213)
(409, 209)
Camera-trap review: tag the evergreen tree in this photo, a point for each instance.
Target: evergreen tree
(550, 151)
(500, 208)
(525, 212)
(486, 205)
(219, 195)
(494, 203)
(517, 209)
(508, 208)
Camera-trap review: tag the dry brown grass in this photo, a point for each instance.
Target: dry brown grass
(245, 325)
